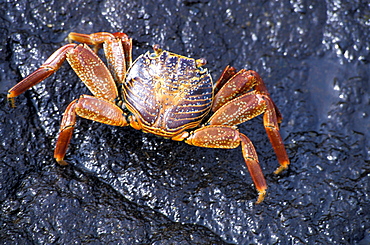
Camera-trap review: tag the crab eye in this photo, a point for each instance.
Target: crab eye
(157, 49)
(201, 62)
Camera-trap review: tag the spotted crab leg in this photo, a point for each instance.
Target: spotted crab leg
(270, 122)
(66, 130)
(232, 84)
(234, 105)
(51, 65)
(95, 75)
(88, 107)
(87, 65)
(228, 137)
(228, 73)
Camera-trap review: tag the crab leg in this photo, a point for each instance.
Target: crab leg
(227, 137)
(228, 72)
(93, 72)
(270, 122)
(248, 106)
(239, 110)
(238, 84)
(66, 130)
(51, 65)
(88, 107)
(87, 65)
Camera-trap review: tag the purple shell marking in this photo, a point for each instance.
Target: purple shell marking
(167, 92)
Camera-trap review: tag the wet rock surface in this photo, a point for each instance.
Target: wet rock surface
(123, 186)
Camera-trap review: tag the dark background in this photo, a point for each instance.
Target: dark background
(123, 186)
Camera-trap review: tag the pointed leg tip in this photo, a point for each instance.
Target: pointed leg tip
(281, 168)
(261, 196)
(61, 162)
(11, 100)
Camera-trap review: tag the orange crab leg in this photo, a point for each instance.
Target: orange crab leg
(51, 65)
(231, 107)
(93, 72)
(227, 137)
(270, 122)
(87, 65)
(238, 84)
(66, 130)
(88, 107)
(100, 110)
(248, 106)
(239, 110)
(228, 72)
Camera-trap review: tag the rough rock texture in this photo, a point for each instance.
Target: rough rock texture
(126, 187)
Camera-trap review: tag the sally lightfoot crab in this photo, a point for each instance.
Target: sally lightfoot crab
(165, 94)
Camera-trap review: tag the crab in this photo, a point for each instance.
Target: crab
(165, 94)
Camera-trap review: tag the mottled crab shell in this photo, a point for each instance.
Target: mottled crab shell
(167, 93)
